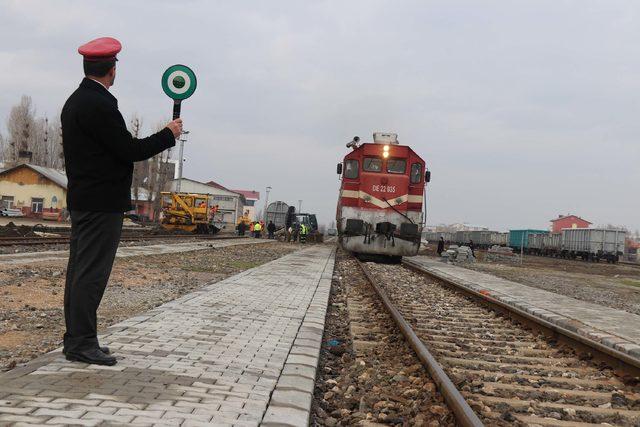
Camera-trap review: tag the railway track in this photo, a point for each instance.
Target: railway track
(34, 241)
(507, 372)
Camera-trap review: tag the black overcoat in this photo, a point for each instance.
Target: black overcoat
(99, 151)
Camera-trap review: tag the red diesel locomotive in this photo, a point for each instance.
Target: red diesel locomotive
(381, 198)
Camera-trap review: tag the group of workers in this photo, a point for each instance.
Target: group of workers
(297, 232)
(256, 228)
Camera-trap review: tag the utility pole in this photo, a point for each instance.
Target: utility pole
(299, 205)
(181, 158)
(266, 204)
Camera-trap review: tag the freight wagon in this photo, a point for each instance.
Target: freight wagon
(434, 236)
(519, 239)
(500, 239)
(593, 244)
(589, 244)
(481, 238)
(462, 237)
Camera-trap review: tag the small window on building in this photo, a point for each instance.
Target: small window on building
(223, 198)
(351, 169)
(416, 173)
(396, 165)
(37, 205)
(372, 164)
(6, 202)
(250, 203)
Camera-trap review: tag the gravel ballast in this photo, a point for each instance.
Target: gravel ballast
(368, 373)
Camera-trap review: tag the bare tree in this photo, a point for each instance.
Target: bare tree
(140, 169)
(55, 156)
(33, 134)
(20, 124)
(161, 171)
(2, 147)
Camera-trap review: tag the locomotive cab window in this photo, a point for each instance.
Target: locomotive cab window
(396, 165)
(416, 173)
(372, 164)
(351, 169)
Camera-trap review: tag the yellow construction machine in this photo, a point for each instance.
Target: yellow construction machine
(189, 212)
(245, 219)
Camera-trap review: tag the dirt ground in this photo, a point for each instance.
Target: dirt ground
(611, 285)
(31, 296)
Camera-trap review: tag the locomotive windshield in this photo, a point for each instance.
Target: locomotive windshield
(372, 164)
(396, 165)
(351, 169)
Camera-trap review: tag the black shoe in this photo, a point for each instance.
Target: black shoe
(94, 356)
(104, 349)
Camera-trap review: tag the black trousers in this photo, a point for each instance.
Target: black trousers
(94, 242)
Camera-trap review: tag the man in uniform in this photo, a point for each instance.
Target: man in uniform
(99, 153)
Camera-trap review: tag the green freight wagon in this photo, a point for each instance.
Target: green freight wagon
(520, 238)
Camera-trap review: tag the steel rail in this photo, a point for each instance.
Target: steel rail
(615, 358)
(32, 241)
(465, 416)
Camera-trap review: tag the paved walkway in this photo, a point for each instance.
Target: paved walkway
(243, 351)
(127, 251)
(614, 328)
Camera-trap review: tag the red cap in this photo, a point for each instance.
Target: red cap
(102, 49)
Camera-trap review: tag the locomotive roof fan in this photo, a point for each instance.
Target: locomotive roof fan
(385, 138)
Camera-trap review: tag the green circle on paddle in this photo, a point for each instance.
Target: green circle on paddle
(179, 82)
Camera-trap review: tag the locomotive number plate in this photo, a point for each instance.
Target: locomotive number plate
(383, 188)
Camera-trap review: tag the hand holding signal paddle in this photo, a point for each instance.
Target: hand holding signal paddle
(178, 82)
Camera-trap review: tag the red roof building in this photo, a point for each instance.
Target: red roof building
(249, 195)
(568, 221)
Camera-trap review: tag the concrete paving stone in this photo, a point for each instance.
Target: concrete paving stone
(303, 360)
(5, 419)
(72, 421)
(48, 405)
(16, 411)
(93, 409)
(22, 424)
(154, 422)
(191, 423)
(291, 398)
(285, 416)
(10, 399)
(64, 413)
(306, 343)
(181, 416)
(295, 382)
(305, 351)
(107, 417)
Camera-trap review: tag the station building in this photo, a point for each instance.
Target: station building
(36, 190)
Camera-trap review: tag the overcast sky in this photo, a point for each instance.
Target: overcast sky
(523, 110)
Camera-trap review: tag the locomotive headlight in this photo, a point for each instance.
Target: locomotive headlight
(385, 154)
(385, 148)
